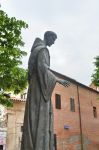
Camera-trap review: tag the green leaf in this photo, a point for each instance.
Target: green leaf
(12, 77)
(95, 75)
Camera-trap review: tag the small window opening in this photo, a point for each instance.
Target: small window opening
(95, 112)
(72, 104)
(58, 101)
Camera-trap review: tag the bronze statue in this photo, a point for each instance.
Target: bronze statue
(38, 119)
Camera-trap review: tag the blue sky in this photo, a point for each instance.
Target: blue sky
(76, 23)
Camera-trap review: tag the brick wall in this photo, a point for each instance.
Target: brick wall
(83, 128)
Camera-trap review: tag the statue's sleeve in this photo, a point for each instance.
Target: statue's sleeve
(46, 78)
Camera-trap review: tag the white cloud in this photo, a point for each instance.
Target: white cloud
(76, 24)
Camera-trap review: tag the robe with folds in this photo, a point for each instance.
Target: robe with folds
(38, 118)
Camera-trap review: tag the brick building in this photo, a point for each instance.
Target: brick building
(76, 118)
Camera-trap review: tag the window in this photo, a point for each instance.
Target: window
(72, 104)
(21, 96)
(95, 112)
(1, 147)
(24, 95)
(55, 142)
(58, 101)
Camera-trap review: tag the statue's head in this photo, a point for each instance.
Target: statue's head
(50, 37)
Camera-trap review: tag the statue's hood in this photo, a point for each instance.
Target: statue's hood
(38, 43)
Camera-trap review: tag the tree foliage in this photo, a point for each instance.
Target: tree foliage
(95, 75)
(12, 77)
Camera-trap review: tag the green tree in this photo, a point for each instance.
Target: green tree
(12, 77)
(95, 75)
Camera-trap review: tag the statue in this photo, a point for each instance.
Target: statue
(38, 119)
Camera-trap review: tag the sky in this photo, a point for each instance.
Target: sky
(76, 23)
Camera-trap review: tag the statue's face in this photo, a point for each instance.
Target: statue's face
(50, 40)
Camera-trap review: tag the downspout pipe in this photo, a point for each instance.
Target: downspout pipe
(80, 121)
